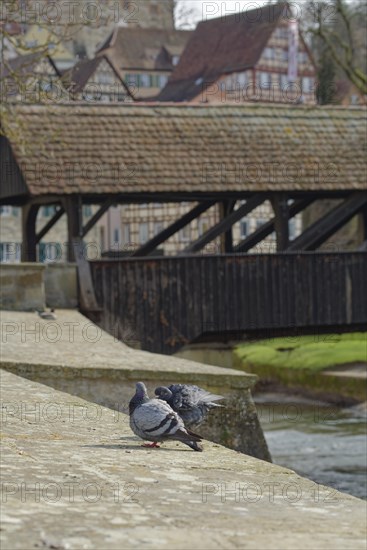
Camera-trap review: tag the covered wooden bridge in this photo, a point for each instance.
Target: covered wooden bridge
(235, 156)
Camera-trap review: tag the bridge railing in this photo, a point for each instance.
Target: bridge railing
(163, 303)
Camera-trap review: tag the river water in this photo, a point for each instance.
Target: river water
(320, 441)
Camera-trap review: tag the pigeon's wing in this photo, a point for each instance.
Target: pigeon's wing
(188, 396)
(156, 418)
(209, 398)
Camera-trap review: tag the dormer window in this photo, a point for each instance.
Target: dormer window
(269, 53)
(175, 60)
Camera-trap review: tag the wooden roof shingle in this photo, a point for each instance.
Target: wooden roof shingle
(165, 148)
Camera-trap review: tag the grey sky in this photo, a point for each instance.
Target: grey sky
(193, 11)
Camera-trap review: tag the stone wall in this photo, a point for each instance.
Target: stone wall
(22, 287)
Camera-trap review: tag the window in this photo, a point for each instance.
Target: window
(132, 79)
(158, 227)
(16, 211)
(143, 232)
(116, 235)
(126, 233)
(292, 229)
(121, 97)
(5, 210)
(105, 78)
(162, 80)
(264, 80)
(354, 99)
(244, 227)
(230, 82)
(203, 226)
(307, 84)
(145, 81)
(49, 252)
(302, 57)
(10, 252)
(283, 81)
(269, 53)
(175, 60)
(259, 222)
(185, 233)
(48, 211)
(87, 210)
(281, 32)
(285, 55)
(242, 79)
(46, 85)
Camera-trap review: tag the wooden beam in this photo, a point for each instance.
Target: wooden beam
(267, 228)
(364, 222)
(322, 229)
(29, 218)
(94, 219)
(226, 223)
(73, 208)
(226, 207)
(88, 300)
(46, 228)
(152, 244)
(279, 202)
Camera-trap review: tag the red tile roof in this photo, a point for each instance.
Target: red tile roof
(224, 45)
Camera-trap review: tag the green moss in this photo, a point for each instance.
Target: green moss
(312, 353)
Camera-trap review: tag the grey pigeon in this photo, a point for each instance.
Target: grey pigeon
(190, 402)
(47, 315)
(154, 420)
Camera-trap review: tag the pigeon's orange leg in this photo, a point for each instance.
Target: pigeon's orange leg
(151, 445)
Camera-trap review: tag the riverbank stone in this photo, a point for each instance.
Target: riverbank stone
(74, 355)
(75, 477)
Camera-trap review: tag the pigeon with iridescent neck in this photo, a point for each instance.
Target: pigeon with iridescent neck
(154, 420)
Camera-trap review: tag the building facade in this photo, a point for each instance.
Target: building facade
(256, 56)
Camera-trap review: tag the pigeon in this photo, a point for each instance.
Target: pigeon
(190, 402)
(154, 420)
(47, 315)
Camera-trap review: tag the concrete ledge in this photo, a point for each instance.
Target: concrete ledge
(74, 476)
(22, 286)
(73, 355)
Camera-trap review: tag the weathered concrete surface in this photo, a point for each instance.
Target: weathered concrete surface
(22, 286)
(61, 285)
(74, 355)
(75, 477)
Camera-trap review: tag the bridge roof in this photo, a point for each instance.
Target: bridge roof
(165, 148)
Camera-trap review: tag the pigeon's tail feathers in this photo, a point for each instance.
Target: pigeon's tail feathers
(194, 445)
(189, 438)
(194, 436)
(185, 435)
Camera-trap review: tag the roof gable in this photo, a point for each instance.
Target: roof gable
(82, 72)
(228, 44)
(136, 48)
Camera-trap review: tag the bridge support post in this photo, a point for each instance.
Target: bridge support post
(281, 218)
(29, 237)
(73, 208)
(364, 222)
(226, 208)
